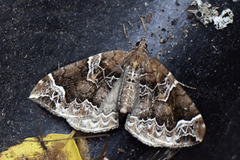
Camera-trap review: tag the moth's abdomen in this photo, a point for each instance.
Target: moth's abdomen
(128, 96)
(129, 89)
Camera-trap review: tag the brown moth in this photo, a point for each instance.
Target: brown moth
(91, 93)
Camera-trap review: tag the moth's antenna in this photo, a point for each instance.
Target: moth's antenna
(124, 31)
(184, 85)
(143, 23)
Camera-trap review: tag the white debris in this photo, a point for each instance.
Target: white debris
(206, 14)
(224, 19)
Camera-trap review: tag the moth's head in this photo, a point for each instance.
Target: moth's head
(141, 44)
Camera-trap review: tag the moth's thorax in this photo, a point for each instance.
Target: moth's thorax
(138, 58)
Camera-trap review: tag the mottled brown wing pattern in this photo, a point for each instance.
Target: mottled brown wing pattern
(91, 93)
(84, 92)
(166, 116)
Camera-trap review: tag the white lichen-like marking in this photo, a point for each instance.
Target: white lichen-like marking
(167, 87)
(161, 136)
(206, 14)
(52, 86)
(99, 122)
(92, 65)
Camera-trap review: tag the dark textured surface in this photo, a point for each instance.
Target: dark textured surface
(37, 37)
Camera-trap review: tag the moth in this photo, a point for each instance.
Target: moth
(91, 94)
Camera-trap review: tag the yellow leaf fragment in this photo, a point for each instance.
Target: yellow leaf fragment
(59, 146)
